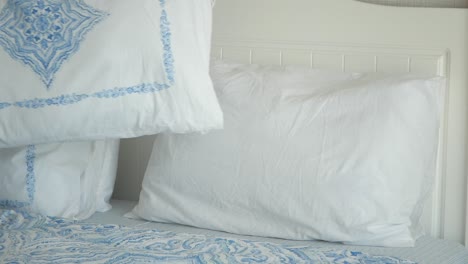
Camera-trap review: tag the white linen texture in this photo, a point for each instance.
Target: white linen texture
(99, 177)
(305, 155)
(71, 180)
(96, 69)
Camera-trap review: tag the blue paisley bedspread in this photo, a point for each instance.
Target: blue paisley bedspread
(27, 238)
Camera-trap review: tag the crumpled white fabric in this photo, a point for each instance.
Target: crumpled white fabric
(304, 155)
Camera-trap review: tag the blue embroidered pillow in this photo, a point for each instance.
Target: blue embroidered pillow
(78, 70)
(62, 179)
(33, 177)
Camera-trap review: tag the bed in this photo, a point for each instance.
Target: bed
(365, 38)
(111, 238)
(428, 249)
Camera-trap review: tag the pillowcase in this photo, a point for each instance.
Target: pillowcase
(99, 177)
(106, 179)
(79, 70)
(70, 180)
(345, 159)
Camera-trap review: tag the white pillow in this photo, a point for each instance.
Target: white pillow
(45, 178)
(343, 161)
(98, 180)
(70, 180)
(78, 70)
(108, 174)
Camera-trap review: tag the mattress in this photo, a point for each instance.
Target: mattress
(428, 250)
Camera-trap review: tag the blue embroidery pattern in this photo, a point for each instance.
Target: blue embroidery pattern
(68, 99)
(44, 33)
(75, 98)
(30, 181)
(166, 40)
(4, 105)
(27, 238)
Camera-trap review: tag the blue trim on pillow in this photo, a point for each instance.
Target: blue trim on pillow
(69, 99)
(30, 179)
(105, 94)
(30, 159)
(166, 40)
(4, 105)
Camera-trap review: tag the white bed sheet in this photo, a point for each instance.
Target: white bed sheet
(428, 250)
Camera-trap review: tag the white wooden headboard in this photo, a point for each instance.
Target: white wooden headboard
(334, 56)
(350, 36)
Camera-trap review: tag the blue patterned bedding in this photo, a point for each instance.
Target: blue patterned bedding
(27, 238)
